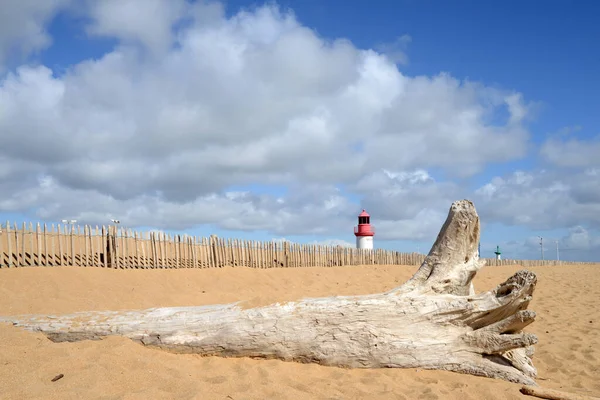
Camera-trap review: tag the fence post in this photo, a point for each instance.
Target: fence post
(111, 248)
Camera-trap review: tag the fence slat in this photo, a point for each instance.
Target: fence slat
(38, 243)
(30, 254)
(173, 248)
(127, 253)
(185, 252)
(22, 260)
(158, 237)
(9, 244)
(173, 245)
(189, 248)
(202, 256)
(142, 242)
(136, 261)
(2, 235)
(59, 240)
(52, 236)
(85, 256)
(17, 248)
(119, 249)
(155, 260)
(215, 253)
(194, 254)
(158, 249)
(91, 238)
(168, 250)
(5, 253)
(177, 243)
(222, 253)
(103, 248)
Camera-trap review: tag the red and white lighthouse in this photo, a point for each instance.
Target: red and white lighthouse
(364, 231)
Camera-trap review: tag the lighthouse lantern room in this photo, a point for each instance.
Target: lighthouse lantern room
(364, 231)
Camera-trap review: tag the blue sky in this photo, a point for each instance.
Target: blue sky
(250, 150)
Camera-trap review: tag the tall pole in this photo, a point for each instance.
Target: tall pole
(557, 257)
(542, 246)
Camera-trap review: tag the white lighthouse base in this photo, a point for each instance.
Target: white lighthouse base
(364, 242)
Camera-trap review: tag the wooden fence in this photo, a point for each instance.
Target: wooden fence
(492, 262)
(112, 247)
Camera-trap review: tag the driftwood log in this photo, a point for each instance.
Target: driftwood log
(551, 394)
(433, 321)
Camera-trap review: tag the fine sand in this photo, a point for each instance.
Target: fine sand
(567, 302)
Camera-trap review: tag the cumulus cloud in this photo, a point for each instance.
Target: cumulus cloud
(145, 22)
(580, 238)
(396, 50)
(572, 152)
(410, 204)
(314, 210)
(23, 26)
(234, 101)
(542, 199)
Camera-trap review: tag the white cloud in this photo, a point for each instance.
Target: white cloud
(145, 22)
(396, 50)
(311, 209)
(439, 122)
(572, 152)
(409, 204)
(542, 199)
(23, 26)
(580, 238)
(254, 98)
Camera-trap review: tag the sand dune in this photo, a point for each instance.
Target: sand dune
(567, 300)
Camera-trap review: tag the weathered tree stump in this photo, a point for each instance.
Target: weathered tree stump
(433, 321)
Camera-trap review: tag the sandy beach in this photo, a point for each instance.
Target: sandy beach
(567, 302)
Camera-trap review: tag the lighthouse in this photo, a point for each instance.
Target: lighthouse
(364, 231)
(498, 253)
